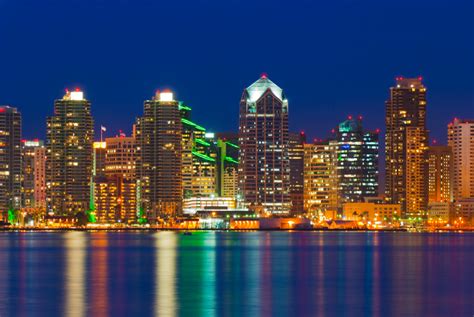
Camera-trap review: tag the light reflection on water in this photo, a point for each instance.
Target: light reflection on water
(231, 273)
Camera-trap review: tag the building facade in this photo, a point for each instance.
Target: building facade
(10, 160)
(33, 174)
(159, 137)
(357, 153)
(461, 141)
(70, 133)
(115, 200)
(320, 178)
(264, 171)
(406, 144)
(296, 157)
(121, 156)
(440, 170)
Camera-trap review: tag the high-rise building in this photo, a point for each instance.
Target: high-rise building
(199, 157)
(264, 171)
(440, 166)
(406, 143)
(159, 138)
(227, 165)
(461, 141)
(10, 160)
(70, 133)
(33, 174)
(357, 152)
(320, 177)
(100, 150)
(296, 157)
(120, 158)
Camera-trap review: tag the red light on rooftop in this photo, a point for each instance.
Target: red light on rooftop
(2, 109)
(360, 117)
(36, 140)
(67, 90)
(434, 141)
(349, 117)
(420, 78)
(302, 132)
(77, 89)
(264, 76)
(377, 130)
(333, 131)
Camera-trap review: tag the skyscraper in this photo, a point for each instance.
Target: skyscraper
(357, 161)
(406, 143)
(320, 177)
(159, 137)
(70, 133)
(440, 167)
(461, 141)
(264, 171)
(296, 157)
(10, 160)
(33, 174)
(227, 165)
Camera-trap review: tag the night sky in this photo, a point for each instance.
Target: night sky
(332, 58)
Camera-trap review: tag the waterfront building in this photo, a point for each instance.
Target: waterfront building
(115, 199)
(159, 138)
(10, 160)
(461, 141)
(463, 215)
(320, 178)
(33, 174)
(264, 171)
(69, 164)
(357, 153)
(372, 213)
(440, 170)
(191, 205)
(406, 144)
(439, 212)
(296, 158)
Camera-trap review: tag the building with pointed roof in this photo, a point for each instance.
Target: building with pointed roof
(264, 170)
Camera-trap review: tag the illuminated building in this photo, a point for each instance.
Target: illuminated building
(190, 205)
(199, 157)
(357, 153)
(227, 165)
(320, 178)
(296, 157)
(461, 141)
(10, 160)
(406, 143)
(115, 199)
(33, 174)
(463, 214)
(121, 157)
(439, 212)
(100, 149)
(371, 212)
(69, 164)
(440, 166)
(264, 171)
(159, 138)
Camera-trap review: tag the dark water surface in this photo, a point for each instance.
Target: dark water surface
(236, 274)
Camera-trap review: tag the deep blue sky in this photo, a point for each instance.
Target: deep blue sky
(332, 58)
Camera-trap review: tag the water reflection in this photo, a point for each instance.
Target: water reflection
(75, 277)
(230, 273)
(165, 273)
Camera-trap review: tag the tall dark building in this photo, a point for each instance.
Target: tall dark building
(264, 171)
(159, 137)
(296, 157)
(357, 153)
(10, 160)
(70, 133)
(406, 143)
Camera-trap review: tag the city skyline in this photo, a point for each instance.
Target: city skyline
(345, 64)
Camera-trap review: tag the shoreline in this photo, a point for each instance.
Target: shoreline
(228, 230)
